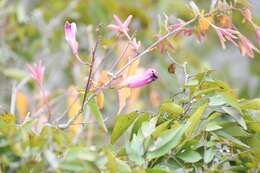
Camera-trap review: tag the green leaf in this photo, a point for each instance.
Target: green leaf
(138, 123)
(135, 149)
(212, 126)
(221, 99)
(195, 118)
(97, 114)
(111, 161)
(236, 131)
(217, 100)
(51, 158)
(255, 126)
(236, 115)
(173, 137)
(190, 156)
(209, 155)
(251, 104)
(122, 123)
(122, 167)
(14, 73)
(155, 170)
(159, 129)
(148, 128)
(231, 138)
(172, 109)
(80, 153)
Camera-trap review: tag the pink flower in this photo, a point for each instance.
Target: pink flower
(141, 80)
(70, 30)
(121, 27)
(135, 44)
(257, 30)
(246, 47)
(227, 34)
(179, 25)
(37, 72)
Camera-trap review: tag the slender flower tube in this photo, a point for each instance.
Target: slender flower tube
(141, 80)
(37, 72)
(246, 47)
(227, 34)
(70, 30)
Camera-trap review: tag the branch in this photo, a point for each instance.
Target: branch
(135, 58)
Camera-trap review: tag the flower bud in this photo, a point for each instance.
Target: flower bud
(141, 80)
(70, 30)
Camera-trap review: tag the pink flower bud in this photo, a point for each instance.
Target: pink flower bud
(70, 30)
(37, 72)
(141, 80)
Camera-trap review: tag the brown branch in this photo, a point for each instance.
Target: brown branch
(135, 58)
(89, 76)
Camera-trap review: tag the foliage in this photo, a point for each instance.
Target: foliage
(212, 133)
(81, 119)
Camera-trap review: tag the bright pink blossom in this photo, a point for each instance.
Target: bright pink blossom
(70, 30)
(141, 80)
(246, 47)
(227, 34)
(119, 26)
(37, 72)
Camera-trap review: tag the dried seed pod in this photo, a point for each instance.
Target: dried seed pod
(172, 68)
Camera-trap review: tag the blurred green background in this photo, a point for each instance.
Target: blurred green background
(31, 30)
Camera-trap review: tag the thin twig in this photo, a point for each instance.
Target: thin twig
(118, 73)
(90, 75)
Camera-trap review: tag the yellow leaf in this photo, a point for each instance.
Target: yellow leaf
(100, 100)
(75, 106)
(21, 105)
(103, 78)
(195, 119)
(123, 94)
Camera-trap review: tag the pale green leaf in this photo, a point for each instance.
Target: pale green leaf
(122, 123)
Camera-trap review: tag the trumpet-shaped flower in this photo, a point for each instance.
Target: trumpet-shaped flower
(141, 80)
(119, 26)
(37, 72)
(70, 30)
(246, 47)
